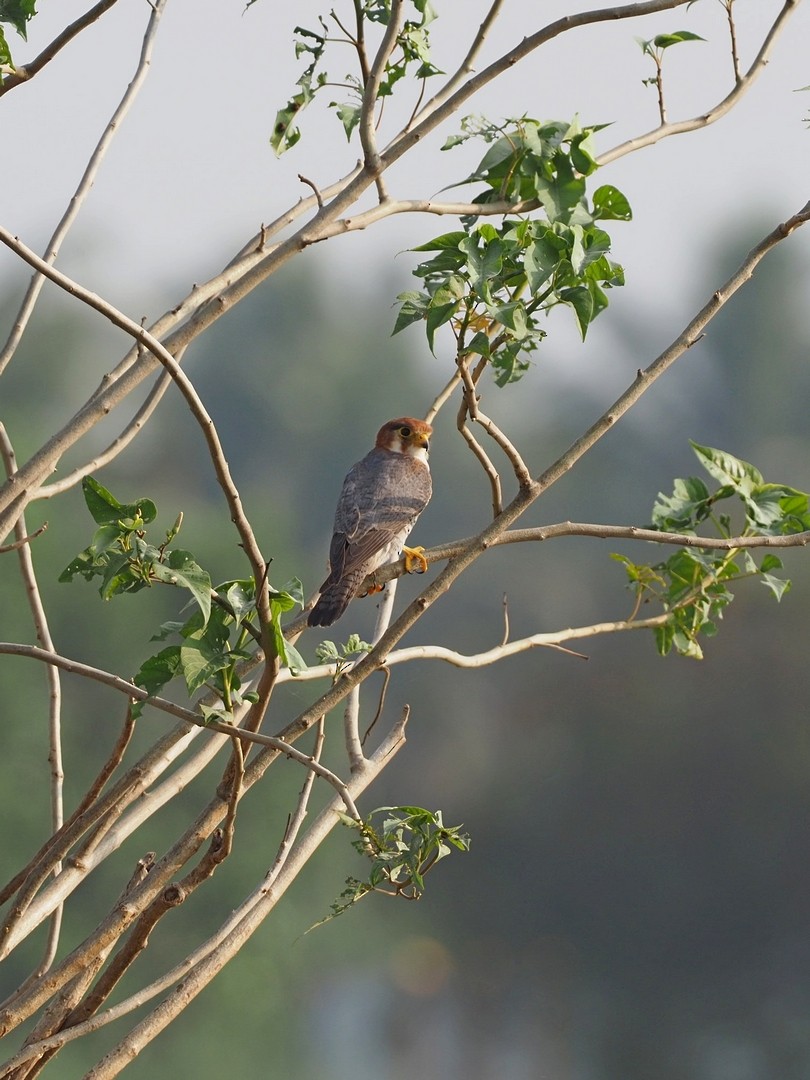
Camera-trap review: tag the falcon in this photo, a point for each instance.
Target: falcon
(382, 497)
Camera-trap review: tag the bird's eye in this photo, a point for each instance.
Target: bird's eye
(405, 431)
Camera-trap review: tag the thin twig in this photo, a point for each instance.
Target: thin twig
(465, 68)
(24, 540)
(469, 382)
(366, 127)
(40, 619)
(732, 30)
(90, 172)
(314, 186)
(120, 443)
(442, 397)
(522, 473)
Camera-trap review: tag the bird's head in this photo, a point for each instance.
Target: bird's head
(406, 436)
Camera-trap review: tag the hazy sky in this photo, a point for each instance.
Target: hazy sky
(191, 176)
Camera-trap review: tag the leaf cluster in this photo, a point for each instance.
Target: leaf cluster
(693, 584)
(493, 283)
(343, 655)
(222, 628)
(407, 842)
(411, 55)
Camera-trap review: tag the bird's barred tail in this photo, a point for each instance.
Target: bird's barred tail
(334, 600)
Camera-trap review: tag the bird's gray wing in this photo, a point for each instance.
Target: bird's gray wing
(382, 495)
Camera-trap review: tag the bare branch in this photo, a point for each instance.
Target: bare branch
(442, 398)
(600, 532)
(75, 667)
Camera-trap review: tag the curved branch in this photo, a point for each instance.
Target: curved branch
(741, 86)
(184, 385)
(75, 667)
(28, 71)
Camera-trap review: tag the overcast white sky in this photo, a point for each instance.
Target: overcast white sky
(191, 176)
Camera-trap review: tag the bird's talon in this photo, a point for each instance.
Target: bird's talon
(415, 561)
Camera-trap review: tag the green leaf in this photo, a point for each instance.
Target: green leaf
(18, 13)
(609, 204)
(438, 315)
(479, 344)
(508, 364)
(664, 41)
(770, 562)
(444, 242)
(413, 308)
(119, 575)
(776, 509)
(541, 259)
(5, 52)
(294, 589)
(181, 569)
(156, 672)
(106, 509)
(778, 586)
(581, 300)
(200, 660)
(239, 594)
(689, 504)
(280, 603)
(349, 114)
(726, 468)
(483, 263)
(285, 134)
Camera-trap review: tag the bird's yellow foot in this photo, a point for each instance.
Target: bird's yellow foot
(374, 587)
(415, 561)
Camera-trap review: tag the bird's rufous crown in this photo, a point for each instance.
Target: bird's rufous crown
(407, 429)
